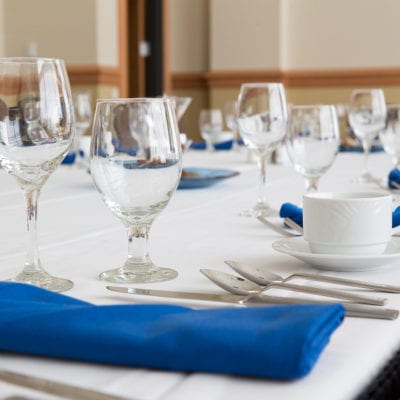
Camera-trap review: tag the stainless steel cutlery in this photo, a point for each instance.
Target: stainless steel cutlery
(352, 310)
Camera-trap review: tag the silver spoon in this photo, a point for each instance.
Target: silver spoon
(277, 228)
(262, 277)
(293, 225)
(242, 286)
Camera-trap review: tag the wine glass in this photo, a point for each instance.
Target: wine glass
(210, 124)
(36, 128)
(313, 140)
(262, 123)
(230, 114)
(180, 104)
(367, 115)
(135, 162)
(390, 134)
(83, 119)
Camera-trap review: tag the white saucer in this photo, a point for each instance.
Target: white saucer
(298, 247)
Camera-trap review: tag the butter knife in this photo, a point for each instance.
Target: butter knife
(57, 388)
(352, 310)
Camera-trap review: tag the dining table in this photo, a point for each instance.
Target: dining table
(201, 227)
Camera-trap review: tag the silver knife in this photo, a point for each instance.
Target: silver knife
(57, 388)
(352, 310)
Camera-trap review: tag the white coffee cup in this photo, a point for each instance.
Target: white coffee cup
(347, 223)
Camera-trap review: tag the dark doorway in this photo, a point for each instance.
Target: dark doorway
(145, 47)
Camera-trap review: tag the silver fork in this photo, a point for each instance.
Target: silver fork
(261, 276)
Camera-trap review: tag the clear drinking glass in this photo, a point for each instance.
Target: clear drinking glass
(262, 123)
(210, 124)
(367, 115)
(135, 162)
(230, 114)
(36, 128)
(390, 135)
(180, 104)
(83, 119)
(313, 141)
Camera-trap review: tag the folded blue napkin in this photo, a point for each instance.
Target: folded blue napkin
(218, 146)
(69, 158)
(289, 210)
(394, 176)
(358, 149)
(274, 341)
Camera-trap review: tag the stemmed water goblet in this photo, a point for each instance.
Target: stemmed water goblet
(83, 119)
(210, 124)
(230, 114)
(313, 140)
(180, 105)
(135, 163)
(262, 123)
(36, 128)
(390, 134)
(367, 115)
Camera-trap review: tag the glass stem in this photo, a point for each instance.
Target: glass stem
(210, 146)
(32, 263)
(262, 192)
(138, 254)
(366, 144)
(311, 184)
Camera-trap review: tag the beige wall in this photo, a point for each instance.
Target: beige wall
(79, 31)
(107, 32)
(189, 35)
(72, 33)
(289, 35)
(340, 34)
(244, 34)
(2, 42)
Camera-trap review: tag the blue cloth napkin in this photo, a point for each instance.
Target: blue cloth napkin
(275, 341)
(358, 149)
(218, 146)
(289, 210)
(69, 158)
(394, 176)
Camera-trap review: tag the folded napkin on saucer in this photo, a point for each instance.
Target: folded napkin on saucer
(394, 176)
(274, 341)
(289, 210)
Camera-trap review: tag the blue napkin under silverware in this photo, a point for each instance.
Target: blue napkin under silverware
(281, 342)
(295, 213)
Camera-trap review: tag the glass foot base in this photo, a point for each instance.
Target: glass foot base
(366, 178)
(123, 275)
(44, 280)
(259, 210)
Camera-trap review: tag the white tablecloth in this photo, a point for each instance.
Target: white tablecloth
(79, 238)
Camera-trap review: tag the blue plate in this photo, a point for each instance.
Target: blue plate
(193, 178)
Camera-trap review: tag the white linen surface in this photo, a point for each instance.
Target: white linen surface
(200, 228)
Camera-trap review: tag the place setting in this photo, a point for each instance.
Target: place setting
(137, 163)
(338, 233)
